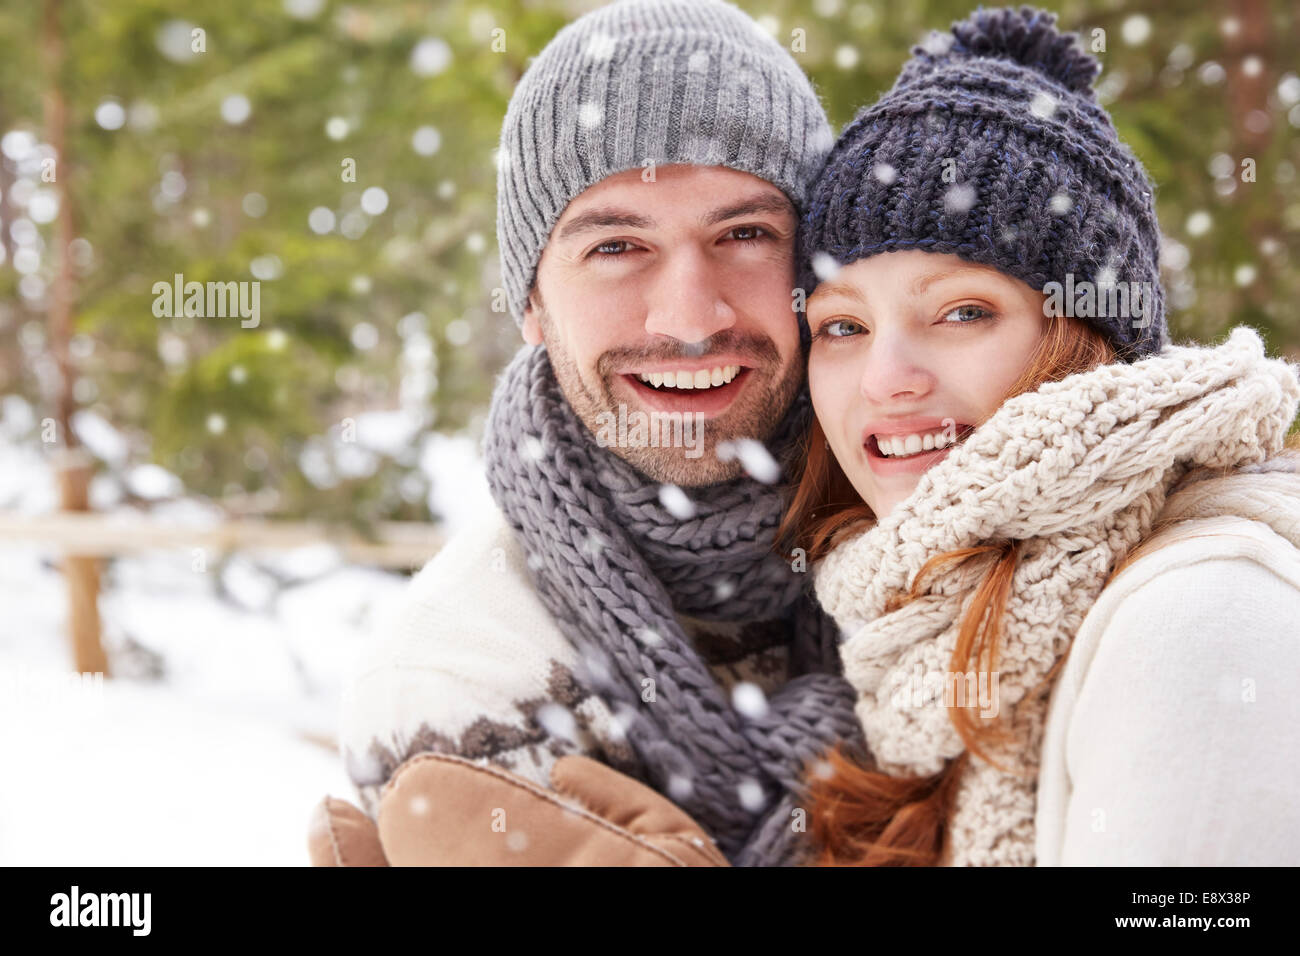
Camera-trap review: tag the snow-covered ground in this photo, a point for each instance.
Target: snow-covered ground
(218, 738)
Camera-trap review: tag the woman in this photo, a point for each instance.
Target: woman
(1064, 555)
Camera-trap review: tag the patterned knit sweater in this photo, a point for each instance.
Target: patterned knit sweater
(471, 663)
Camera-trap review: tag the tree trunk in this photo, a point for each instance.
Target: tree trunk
(73, 464)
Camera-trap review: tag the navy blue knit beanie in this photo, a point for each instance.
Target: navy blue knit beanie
(991, 146)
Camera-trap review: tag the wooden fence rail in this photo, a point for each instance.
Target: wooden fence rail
(400, 545)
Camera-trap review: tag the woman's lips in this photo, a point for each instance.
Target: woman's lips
(705, 401)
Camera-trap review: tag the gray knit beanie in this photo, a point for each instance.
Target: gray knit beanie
(991, 146)
(640, 81)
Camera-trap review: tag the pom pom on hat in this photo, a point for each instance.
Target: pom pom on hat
(1026, 36)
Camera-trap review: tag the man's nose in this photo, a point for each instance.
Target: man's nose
(686, 300)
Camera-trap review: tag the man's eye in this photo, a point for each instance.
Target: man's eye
(751, 233)
(610, 250)
(967, 314)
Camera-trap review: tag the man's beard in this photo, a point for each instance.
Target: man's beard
(754, 414)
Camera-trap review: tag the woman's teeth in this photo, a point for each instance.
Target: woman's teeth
(901, 446)
(704, 378)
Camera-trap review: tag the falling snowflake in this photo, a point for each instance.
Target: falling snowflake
(1198, 223)
(675, 500)
(590, 115)
(426, 141)
(936, 43)
(749, 700)
(1043, 105)
(596, 667)
(374, 200)
(430, 56)
(236, 108)
(516, 841)
(557, 721)
(751, 795)
(723, 590)
(649, 637)
(754, 458)
(1060, 204)
(622, 720)
(1135, 30)
(823, 769)
(601, 46)
(530, 448)
(824, 266)
(110, 115)
(680, 787)
(321, 220)
(303, 9)
(419, 805)
(959, 198)
(885, 173)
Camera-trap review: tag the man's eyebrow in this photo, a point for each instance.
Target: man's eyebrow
(605, 217)
(754, 205)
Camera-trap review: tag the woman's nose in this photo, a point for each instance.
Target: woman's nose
(894, 370)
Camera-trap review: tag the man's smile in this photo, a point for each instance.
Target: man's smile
(706, 390)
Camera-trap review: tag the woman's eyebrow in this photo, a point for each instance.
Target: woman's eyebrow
(843, 290)
(921, 283)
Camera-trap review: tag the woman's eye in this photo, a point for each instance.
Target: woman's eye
(966, 314)
(838, 329)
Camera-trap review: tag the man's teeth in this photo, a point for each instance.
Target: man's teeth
(704, 378)
(893, 446)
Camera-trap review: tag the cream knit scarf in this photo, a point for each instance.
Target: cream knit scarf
(1076, 471)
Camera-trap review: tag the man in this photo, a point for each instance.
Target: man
(627, 603)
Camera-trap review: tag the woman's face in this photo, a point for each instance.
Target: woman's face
(911, 350)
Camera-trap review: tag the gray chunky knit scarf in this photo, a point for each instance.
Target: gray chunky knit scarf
(613, 565)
